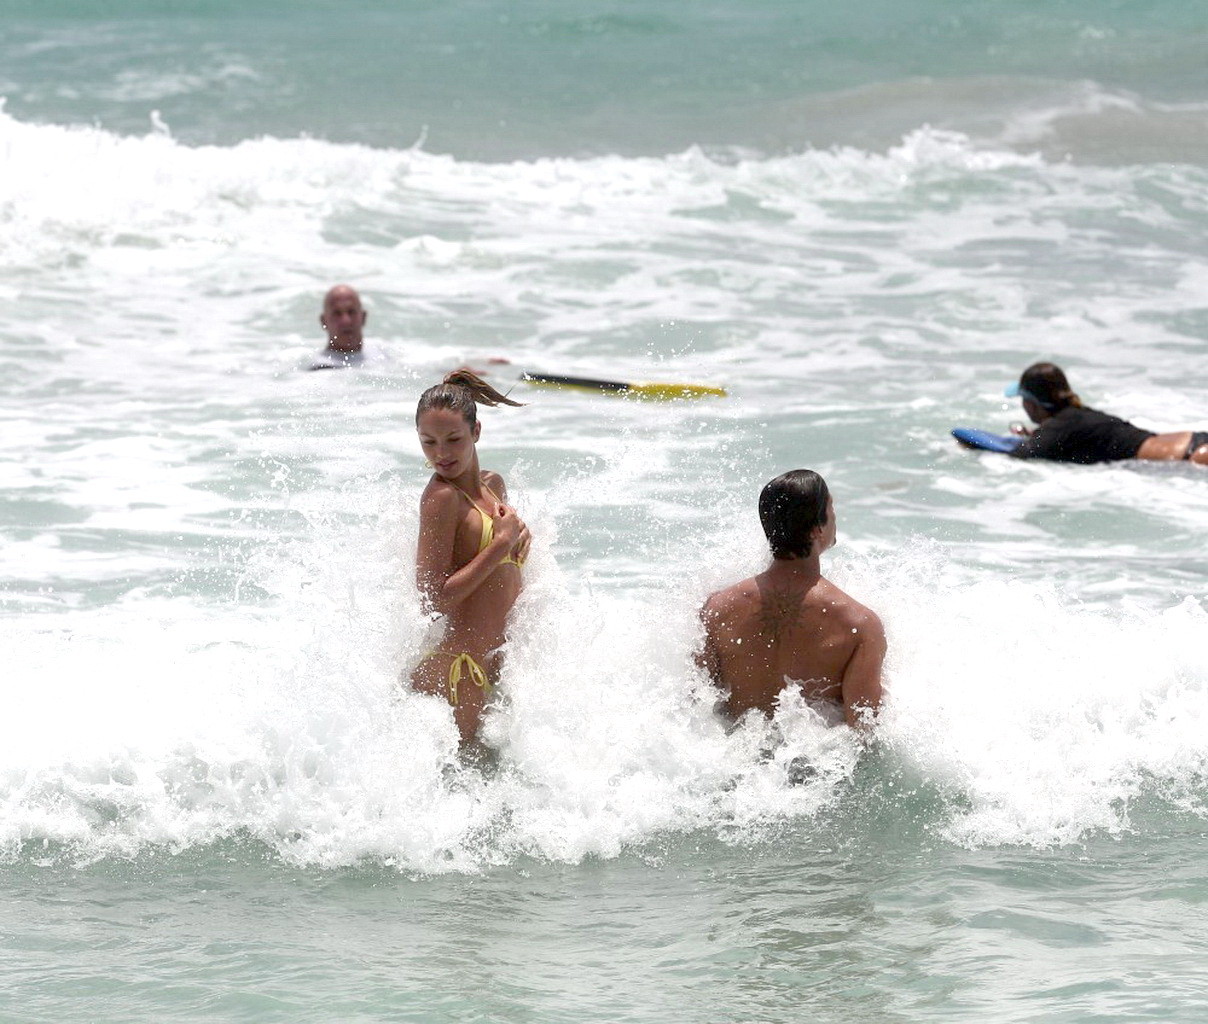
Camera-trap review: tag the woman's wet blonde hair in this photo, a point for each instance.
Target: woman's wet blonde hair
(462, 391)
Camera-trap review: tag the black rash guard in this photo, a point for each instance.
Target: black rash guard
(1083, 436)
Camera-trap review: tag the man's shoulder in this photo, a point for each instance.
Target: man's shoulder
(852, 614)
(334, 359)
(735, 596)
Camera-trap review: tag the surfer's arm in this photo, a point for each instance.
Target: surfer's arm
(1038, 444)
(440, 512)
(861, 687)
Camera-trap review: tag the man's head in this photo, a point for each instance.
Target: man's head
(1044, 390)
(343, 319)
(797, 514)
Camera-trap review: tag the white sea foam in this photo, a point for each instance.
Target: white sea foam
(1043, 718)
(159, 722)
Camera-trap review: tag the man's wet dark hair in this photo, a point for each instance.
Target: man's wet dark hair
(1045, 384)
(789, 508)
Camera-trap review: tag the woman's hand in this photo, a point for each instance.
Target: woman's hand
(521, 549)
(507, 525)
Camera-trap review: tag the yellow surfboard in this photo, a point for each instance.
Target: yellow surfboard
(659, 391)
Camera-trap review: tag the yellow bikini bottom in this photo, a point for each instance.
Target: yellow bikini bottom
(463, 665)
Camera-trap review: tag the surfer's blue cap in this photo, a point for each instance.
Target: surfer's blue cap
(1017, 390)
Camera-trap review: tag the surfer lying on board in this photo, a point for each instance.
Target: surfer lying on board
(790, 624)
(1068, 431)
(471, 548)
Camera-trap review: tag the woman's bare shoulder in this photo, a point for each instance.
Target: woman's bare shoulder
(494, 481)
(439, 498)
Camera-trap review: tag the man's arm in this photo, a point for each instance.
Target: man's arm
(862, 677)
(705, 656)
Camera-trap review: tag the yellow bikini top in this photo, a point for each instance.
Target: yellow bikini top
(488, 528)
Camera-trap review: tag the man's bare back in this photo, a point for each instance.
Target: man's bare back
(790, 623)
(763, 632)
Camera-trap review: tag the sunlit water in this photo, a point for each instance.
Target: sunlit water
(217, 798)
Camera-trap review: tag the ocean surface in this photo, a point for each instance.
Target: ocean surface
(218, 801)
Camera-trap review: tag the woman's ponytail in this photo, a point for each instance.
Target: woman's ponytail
(462, 391)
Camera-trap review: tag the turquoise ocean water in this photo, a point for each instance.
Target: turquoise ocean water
(217, 803)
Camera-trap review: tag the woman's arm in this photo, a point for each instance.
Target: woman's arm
(440, 512)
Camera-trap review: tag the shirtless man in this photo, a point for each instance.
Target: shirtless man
(343, 319)
(789, 623)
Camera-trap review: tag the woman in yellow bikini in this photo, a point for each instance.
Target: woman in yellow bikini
(471, 547)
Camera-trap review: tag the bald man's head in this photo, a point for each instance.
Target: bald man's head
(343, 319)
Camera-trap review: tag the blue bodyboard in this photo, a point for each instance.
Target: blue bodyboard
(987, 442)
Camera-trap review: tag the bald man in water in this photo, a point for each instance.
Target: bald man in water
(343, 318)
(791, 625)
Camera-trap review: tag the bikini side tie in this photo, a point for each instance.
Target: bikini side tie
(472, 669)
